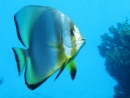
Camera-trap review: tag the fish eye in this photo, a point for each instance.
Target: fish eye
(72, 32)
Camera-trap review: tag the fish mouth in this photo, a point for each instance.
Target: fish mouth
(81, 40)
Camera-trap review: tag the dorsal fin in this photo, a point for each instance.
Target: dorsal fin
(24, 21)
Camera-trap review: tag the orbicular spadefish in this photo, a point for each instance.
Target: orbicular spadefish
(51, 43)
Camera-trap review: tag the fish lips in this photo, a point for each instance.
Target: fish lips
(80, 43)
(81, 40)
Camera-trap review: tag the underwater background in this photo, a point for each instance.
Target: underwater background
(93, 18)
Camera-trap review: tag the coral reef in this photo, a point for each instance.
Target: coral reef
(115, 48)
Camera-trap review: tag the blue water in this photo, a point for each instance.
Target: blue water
(93, 18)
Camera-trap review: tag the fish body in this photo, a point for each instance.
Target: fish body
(52, 41)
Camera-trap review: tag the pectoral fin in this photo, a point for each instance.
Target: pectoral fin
(56, 46)
(71, 66)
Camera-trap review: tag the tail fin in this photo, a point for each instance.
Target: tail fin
(21, 58)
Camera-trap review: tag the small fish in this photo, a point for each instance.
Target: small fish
(1, 81)
(52, 41)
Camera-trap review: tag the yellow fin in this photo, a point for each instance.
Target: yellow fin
(56, 46)
(71, 66)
